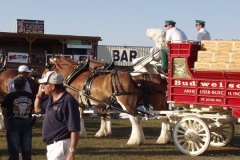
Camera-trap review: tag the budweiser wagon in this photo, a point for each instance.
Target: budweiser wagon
(204, 82)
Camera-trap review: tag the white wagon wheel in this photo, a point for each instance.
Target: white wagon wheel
(222, 135)
(191, 135)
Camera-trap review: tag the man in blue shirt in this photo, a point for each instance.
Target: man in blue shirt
(61, 125)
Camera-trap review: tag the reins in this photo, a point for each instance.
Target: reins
(116, 85)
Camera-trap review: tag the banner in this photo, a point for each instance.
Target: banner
(48, 56)
(16, 57)
(30, 26)
(81, 57)
(78, 44)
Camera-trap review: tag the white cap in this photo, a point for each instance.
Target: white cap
(23, 68)
(52, 77)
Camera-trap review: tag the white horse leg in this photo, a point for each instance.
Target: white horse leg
(165, 135)
(108, 126)
(83, 133)
(2, 124)
(102, 130)
(137, 136)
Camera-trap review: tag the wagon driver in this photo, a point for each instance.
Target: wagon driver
(203, 34)
(173, 35)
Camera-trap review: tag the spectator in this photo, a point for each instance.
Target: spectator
(203, 34)
(22, 71)
(17, 108)
(61, 124)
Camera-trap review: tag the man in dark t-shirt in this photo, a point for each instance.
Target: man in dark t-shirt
(17, 109)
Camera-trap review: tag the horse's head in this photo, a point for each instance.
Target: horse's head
(96, 65)
(60, 64)
(157, 35)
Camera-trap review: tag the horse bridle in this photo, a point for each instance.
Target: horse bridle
(57, 65)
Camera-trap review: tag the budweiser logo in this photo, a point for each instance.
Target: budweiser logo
(217, 84)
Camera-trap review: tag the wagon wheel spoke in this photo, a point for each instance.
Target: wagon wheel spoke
(222, 135)
(180, 136)
(191, 135)
(185, 144)
(197, 145)
(182, 132)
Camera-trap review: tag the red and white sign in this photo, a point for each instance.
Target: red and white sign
(16, 57)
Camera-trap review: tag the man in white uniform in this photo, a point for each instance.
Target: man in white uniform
(22, 71)
(173, 35)
(203, 34)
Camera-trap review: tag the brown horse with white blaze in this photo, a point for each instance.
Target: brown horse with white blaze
(99, 89)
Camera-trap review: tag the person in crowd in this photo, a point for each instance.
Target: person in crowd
(173, 35)
(24, 71)
(17, 108)
(203, 34)
(61, 125)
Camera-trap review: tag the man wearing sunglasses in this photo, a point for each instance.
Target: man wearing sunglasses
(22, 71)
(203, 34)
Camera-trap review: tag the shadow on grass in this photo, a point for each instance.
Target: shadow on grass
(39, 151)
(221, 152)
(129, 151)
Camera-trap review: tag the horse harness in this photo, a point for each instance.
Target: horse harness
(116, 91)
(148, 88)
(148, 85)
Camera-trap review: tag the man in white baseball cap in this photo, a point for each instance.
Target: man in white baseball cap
(23, 68)
(24, 71)
(52, 77)
(58, 106)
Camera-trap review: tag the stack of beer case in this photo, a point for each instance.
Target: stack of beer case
(219, 55)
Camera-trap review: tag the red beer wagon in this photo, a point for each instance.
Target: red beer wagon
(209, 97)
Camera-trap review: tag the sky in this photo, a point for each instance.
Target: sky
(124, 22)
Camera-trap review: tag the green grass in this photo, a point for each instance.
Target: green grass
(115, 147)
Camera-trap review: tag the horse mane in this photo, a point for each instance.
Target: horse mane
(66, 59)
(93, 65)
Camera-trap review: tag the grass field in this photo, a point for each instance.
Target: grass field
(115, 148)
